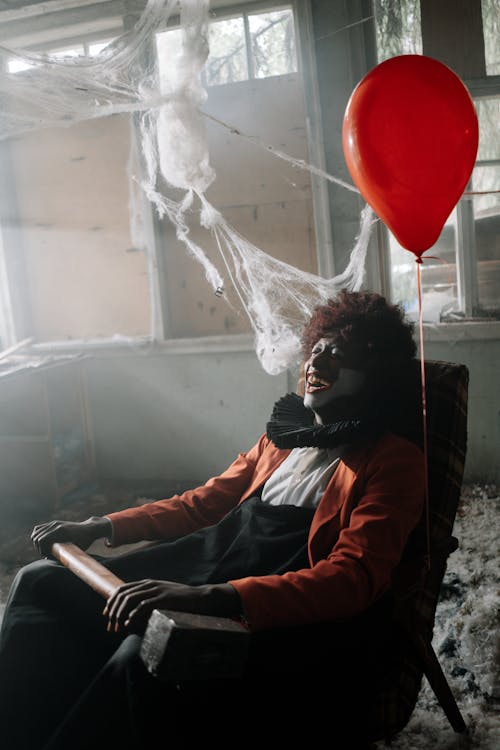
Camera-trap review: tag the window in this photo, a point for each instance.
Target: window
(243, 46)
(397, 28)
(67, 249)
(228, 59)
(486, 208)
(251, 45)
(16, 65)
(272, 43)
(463, 280)
(73, 269)
(491, 28)
(253, 85)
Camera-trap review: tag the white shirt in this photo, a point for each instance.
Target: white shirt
(302, 477)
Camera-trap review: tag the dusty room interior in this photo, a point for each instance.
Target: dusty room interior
(129, 369)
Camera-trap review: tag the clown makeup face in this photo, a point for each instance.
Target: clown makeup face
(332, 376)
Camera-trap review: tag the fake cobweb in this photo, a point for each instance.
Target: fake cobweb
(277, 297)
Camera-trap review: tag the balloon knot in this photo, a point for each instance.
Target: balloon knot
(419, 260)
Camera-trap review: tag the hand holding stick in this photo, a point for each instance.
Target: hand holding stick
(87, 568)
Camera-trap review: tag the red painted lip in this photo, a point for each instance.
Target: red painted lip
(310, 388)
(317, 388)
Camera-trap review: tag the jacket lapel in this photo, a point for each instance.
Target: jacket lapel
(269, 462)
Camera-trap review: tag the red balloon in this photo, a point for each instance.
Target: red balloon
(410, 138)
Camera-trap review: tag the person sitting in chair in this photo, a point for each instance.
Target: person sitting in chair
(304, 530)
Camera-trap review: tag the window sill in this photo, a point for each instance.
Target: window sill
(142, 346)
(470, 330)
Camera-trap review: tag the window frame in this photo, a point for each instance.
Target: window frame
(245, 10)
(465, 246)
(467, 274)
(467, 271)
(7, 327)
(160, 335)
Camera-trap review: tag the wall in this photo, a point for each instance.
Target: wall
(186, 416)
(176, 416)
(482, 356)
(45, 447)
(181, 417)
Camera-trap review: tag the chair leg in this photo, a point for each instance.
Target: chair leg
(437, 681)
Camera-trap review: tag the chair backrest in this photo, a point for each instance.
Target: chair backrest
(417, 585)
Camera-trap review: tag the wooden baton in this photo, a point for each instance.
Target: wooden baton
(176, 645)
(87, 568)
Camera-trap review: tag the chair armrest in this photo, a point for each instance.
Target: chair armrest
(181, 646)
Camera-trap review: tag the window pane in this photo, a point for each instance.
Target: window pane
(491, 31)
(268, 201)
(486, 207)
(403, 277)
(439, 277)
(398, 29)
(488, 112)
(97, 47)
(273, 43)
(169, 49)
(227, 61)
(487, 229)
(18, 65)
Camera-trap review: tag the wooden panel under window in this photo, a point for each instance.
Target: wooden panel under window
(83, 277)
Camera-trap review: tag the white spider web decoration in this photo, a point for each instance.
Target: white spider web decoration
(277, 297)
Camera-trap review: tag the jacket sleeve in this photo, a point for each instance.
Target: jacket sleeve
(192, 510)
(359, 567)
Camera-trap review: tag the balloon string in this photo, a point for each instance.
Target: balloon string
(424, 413)
(436, 257)
(481, 192)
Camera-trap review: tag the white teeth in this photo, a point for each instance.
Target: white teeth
(313, 381)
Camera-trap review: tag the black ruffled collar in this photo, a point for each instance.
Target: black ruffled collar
(292, 425)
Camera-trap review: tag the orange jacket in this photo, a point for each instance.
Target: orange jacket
(359, 530)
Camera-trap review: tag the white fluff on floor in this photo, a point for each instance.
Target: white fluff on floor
(466, 635)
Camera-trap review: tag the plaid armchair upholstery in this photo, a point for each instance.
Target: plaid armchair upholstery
(416, 585)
